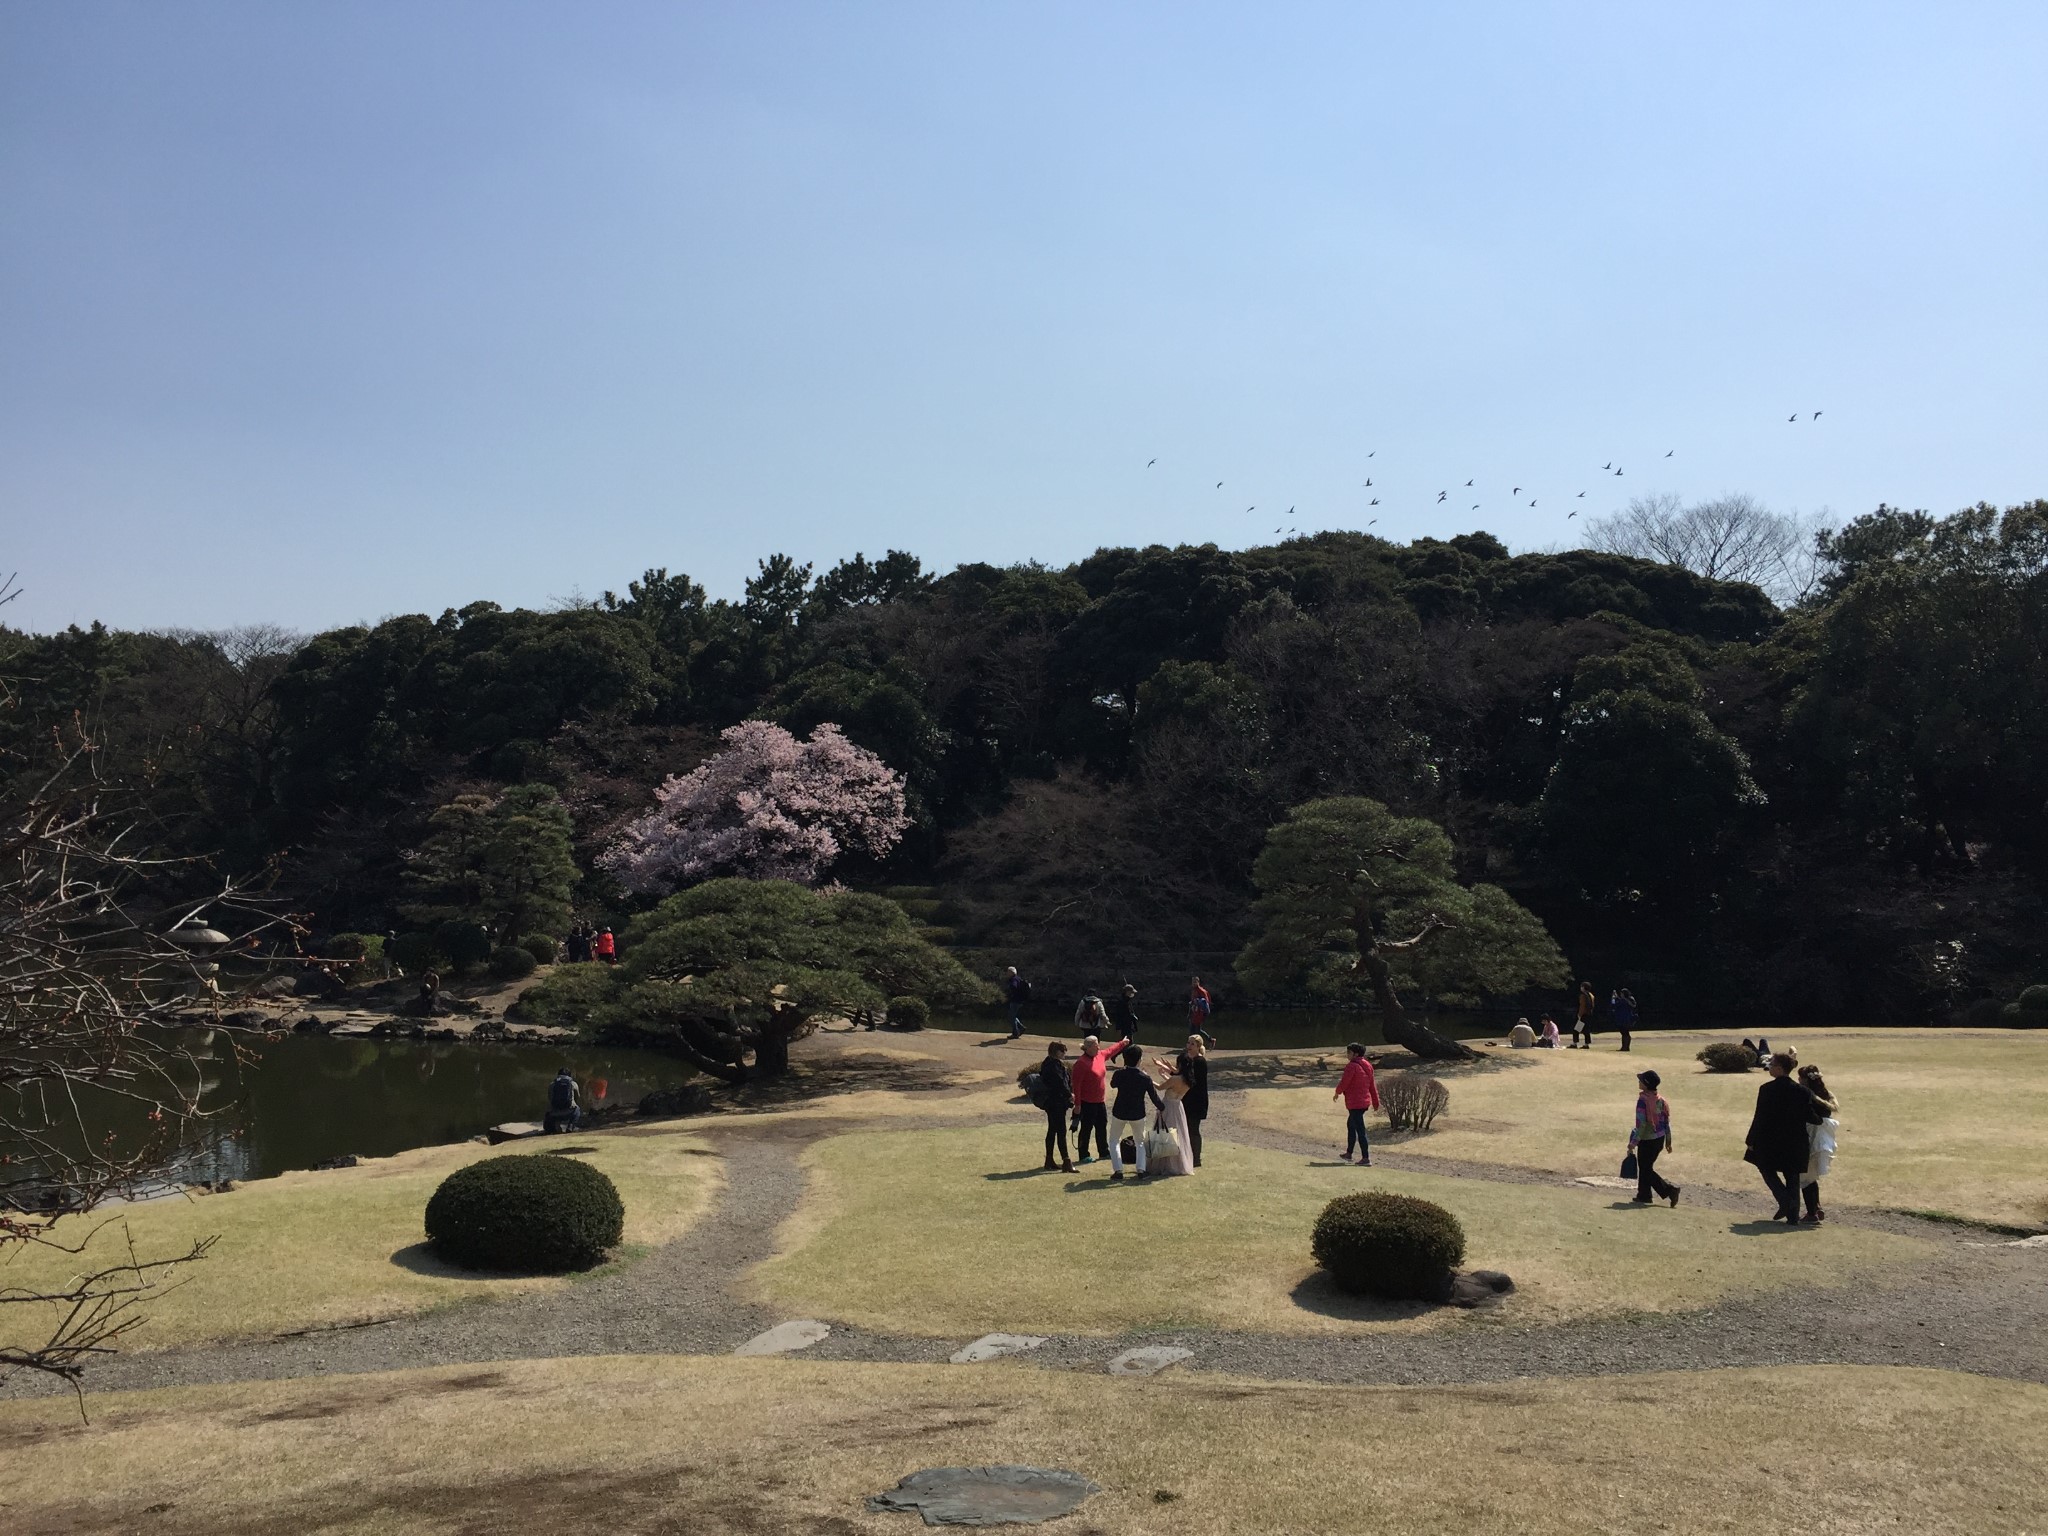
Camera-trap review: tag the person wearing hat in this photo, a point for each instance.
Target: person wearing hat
(1650, 1139)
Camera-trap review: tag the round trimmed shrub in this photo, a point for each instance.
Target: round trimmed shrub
(1389, 1245)
(509, 962)
(909, 1013)
(2035, 999)
(1726, 1056)
(541, 947)
(541, 1213)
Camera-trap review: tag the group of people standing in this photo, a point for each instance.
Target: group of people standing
(588, 943)
(1791, 1138)
(1104, 1096)
(1621, 1012)
(1116, 1019)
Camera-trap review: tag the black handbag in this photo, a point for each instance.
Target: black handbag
(1628, 1164)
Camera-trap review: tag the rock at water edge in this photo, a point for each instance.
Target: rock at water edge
(998, 1495)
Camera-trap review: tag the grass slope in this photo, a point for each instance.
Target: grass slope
(933, 1232)
(309, 1249)
(777, 1448)
(1946, 1120)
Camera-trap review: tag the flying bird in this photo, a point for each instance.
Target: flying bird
(1368, 482)
(1150, 462)
(1290, 511)
(1608, 465)
(1617, 471)
(1668, 455)
(1219, 485)
(1369, 455)
(1582, 497)
(1375, 501)
(1373, 521)
(1440, 495)
(1516, 491)
(1793, 417)
(1570, 516)
(1532, 501)
(1816, 415)
(1475, 506)
(1251, 509)
(1468, 482)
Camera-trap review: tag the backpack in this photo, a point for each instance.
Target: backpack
(1034, 1088)
(1023, 990)
(562, 1095)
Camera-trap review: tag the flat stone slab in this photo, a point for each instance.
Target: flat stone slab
(999, 1495)
(1605, 1181)
(785, 1338)
(1148, 1361)
(2040, 1240)
(993, 1346)
(514, 1130)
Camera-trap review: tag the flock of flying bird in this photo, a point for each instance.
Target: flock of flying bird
(1444, 495)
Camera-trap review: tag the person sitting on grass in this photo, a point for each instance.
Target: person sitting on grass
(1549, 1040)
(1133, 1087)
(1359, 1093)
(1521, 1036)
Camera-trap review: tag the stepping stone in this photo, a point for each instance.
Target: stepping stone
(999, 1495)
(992, 1346)
(1606, 1181)
(785, 1338)
(1149, 1361)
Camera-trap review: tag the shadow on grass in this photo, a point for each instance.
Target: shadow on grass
(1319, 1294)
(1019, 1173)
(421, 1259)
(1764, 1226)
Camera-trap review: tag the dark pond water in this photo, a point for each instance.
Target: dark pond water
(1254, 1029)
(308, 1098)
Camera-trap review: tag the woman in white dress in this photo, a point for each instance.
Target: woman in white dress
(1173, 1119)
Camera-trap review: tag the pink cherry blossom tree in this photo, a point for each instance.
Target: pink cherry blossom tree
(768, 807)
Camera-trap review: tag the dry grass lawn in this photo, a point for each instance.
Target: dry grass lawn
(778, 1448)
(309, 1249)
(1947, 1120)
(887, 1211)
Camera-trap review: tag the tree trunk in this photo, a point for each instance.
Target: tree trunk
(771, 1050)
(1395, 1024)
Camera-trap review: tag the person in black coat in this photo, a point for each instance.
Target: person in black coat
(1193, 1066)
(1055, 1096)
(1778, 1139)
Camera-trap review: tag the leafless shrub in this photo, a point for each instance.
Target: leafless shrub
(1412, 1103)
(1731, 538)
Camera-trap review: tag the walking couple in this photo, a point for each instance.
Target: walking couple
(1107, 1100)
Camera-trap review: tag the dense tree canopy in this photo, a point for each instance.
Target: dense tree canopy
(1841, 804)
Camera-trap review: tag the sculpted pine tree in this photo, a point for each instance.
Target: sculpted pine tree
(737, 967)
(500, 859)
(1355, 901)
(769, 807)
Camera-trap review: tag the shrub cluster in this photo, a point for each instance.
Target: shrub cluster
(684, 1099)
(1389, 1245)
(509, 962)
(541, 1213)
(1726, 1056)
(909, 1013)
(543, 949)
(2027, 1011)
(1412, 1102)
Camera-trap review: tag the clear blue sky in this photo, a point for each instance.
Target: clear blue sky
(315, 313)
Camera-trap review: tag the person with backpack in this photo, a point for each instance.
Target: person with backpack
(1018, 991)
(564, 1114)
(1090, 1017)
(1053, 1093)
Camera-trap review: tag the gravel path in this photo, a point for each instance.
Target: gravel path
(1973, 1307)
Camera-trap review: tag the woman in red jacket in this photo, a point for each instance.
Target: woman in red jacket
(1357, 1090)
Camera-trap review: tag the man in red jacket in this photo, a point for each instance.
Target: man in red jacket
(1091, 1097)
(1357, 1090)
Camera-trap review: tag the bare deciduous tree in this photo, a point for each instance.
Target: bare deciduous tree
(100, 945)
(1731, 538)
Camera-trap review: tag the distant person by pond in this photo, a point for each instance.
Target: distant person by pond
(1359, 1093)
(1090, 1017)
(564, 1112)
(1779, 1143)
(1821, 1139)
(1123, 1013)
(1650, 1139)
(606, 948)
(1017, 991)
(1622, 1007)
(1201, 1007)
